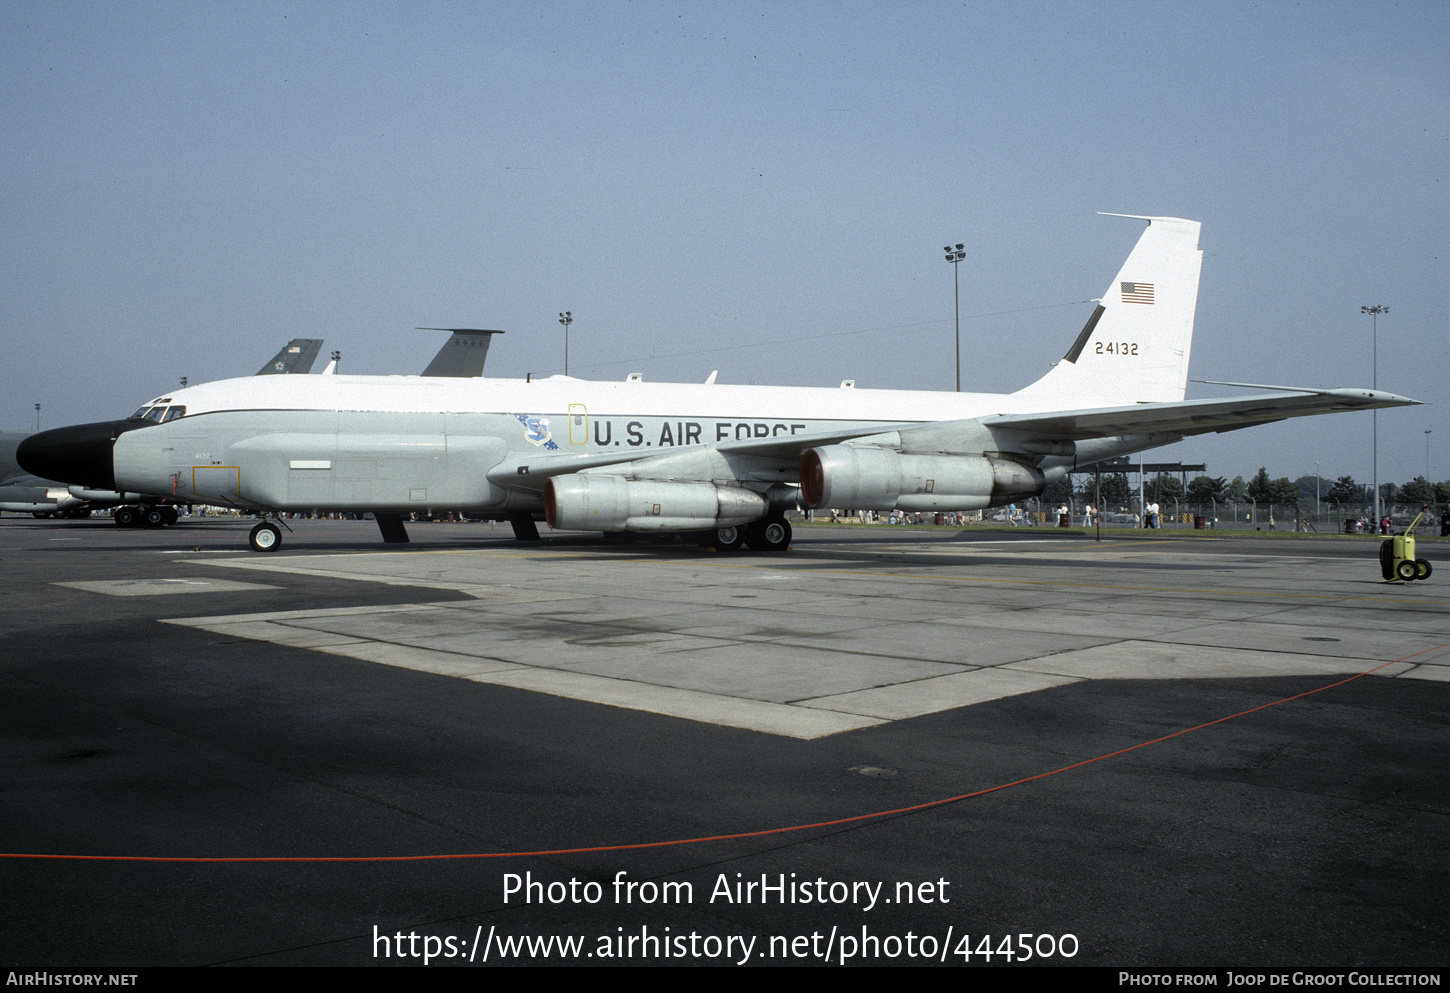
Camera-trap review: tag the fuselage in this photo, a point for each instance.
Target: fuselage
(403, 443)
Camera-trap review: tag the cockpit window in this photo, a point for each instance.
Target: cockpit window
(158, 412)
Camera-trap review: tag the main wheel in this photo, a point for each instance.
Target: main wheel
(1406, 570)
(769, 535)
(265, 537)
(170, 513)
(127, 517)
(726, 539)
(155, 517)
(1422, 569)
(40, 515)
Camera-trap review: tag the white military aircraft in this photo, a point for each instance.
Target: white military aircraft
(668, 457)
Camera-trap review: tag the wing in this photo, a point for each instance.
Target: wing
(1190, 417)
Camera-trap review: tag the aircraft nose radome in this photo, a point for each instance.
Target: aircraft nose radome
(81, 453)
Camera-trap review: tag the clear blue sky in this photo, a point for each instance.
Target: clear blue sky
(762, 189)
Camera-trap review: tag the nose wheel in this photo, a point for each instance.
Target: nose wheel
(265, 537)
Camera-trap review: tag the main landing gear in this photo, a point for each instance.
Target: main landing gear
(155, 516)
(769, 535)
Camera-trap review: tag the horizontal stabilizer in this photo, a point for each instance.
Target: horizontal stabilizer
(1263, 386)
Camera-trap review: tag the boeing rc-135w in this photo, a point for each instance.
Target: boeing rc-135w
(663, 457)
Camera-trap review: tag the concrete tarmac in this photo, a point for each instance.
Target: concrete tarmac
(170, 695)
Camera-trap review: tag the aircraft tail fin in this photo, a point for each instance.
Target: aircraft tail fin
(462, 355)
(1134, 348)
(296, 357)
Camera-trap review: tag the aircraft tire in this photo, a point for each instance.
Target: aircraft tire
(770, 535)
(1423, 569)
(40, 515)
(171, 514)
(265, 537)
(127, 517)
(155, 517)
(726, 539)
(1406, 570)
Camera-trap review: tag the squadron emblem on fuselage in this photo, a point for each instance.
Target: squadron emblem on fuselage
(536, 431)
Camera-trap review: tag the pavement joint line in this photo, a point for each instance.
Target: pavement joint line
(276, 566)
(1105, 586)
(1158, 639)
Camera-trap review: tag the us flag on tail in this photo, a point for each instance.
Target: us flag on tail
(1137, 292)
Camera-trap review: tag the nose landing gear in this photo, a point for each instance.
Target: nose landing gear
(265, 537)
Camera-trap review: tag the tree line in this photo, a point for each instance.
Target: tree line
(1204, 491)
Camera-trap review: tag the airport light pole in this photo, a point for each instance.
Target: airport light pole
(1374, 313)
(37, 417)
(954, 256)
(566, 318)
(183, 382)
(1427, 456)
(336, 360)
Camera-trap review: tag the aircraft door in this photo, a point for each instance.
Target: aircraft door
(222, 482)
(578, 424)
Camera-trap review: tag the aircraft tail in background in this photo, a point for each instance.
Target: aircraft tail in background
(295, 357)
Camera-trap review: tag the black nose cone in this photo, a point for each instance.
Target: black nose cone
(78, 454)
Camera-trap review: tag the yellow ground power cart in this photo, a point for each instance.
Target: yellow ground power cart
(1397, 555)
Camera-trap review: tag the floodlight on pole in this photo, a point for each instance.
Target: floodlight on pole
(566, 318)
(37, 417)
(954, 256)
(1374, 312)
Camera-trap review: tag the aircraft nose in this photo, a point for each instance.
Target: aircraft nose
(81, 453)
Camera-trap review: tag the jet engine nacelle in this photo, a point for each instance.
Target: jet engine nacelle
(863, 478)
(611, 503)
